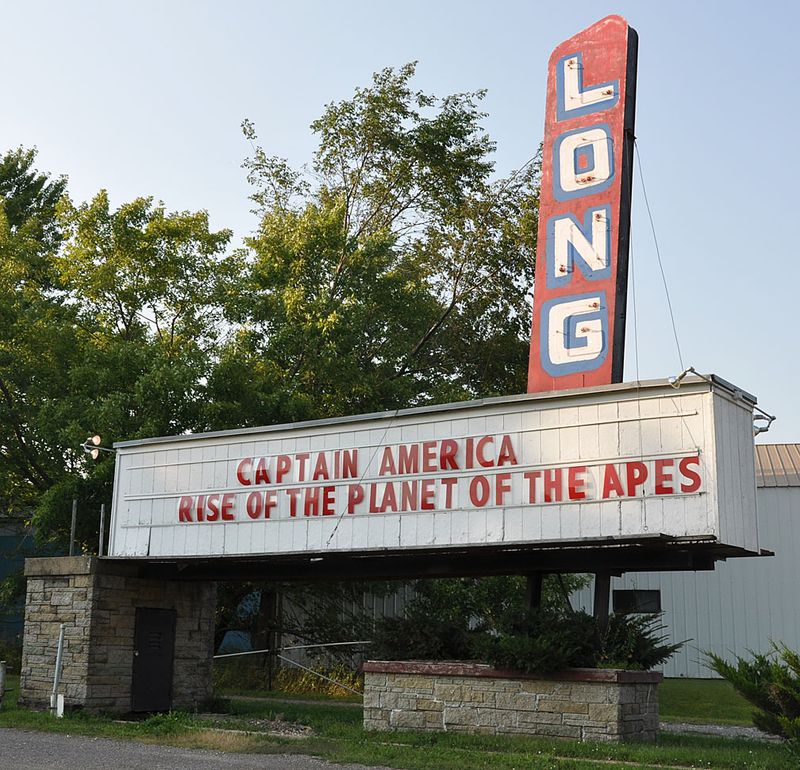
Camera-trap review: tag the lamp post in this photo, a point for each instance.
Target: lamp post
(92, 447)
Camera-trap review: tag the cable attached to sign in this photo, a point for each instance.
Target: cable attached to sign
(658, 251)
(363, 473)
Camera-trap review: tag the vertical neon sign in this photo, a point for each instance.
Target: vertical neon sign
(580, 293)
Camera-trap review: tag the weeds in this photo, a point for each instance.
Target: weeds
(250, 677)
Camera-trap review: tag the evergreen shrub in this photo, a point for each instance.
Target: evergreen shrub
(771, 682)
(534, 641)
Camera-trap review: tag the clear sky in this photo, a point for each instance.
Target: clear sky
(146, 98)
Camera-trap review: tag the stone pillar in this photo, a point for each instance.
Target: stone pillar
(96, 601)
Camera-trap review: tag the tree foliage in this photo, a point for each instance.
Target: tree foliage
(394, 270)
(37, 334)
(30, 199)
(110, 322)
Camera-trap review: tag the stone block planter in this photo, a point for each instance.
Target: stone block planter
(581, 704)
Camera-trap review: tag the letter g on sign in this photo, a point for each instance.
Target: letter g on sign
(574, 333)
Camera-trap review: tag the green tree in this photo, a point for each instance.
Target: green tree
(771, 683)
(395, 272)
(37, 342)
(109, 323)
(37, 347)
(30, 198)
(145, 285)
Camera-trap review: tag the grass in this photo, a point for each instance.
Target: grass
(703, 701)
(348, 699)
(696, 701)
(338, 737)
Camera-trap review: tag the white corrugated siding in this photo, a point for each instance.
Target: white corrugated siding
(742, 604)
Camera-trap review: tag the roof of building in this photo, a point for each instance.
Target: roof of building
(778, 465)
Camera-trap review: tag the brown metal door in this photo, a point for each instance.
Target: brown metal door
(153, 652)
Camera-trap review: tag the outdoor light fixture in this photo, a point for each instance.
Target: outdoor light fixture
(92, 447)
(676, 381)
(767, 419)
(762, 417)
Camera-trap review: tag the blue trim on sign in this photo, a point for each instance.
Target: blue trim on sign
(590, 189)
(571, 339)
(562, 113)
(573, 255)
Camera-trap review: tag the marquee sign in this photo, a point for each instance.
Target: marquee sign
(577, 463)
(581, 277)
(587, 464)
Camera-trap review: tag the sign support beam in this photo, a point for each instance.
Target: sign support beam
(533, 590)
(602, 595)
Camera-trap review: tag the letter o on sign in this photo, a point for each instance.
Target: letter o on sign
(254, 505)
(479, 491)
(583, 162)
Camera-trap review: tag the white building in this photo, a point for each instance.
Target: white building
(744, 603)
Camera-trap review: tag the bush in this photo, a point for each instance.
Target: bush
(538, 641)
(633, 642)
(771, 683)
(548, 640)
(420, 639)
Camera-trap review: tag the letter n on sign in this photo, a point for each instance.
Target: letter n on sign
(578, 336)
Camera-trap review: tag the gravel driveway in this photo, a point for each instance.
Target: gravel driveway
(721, 731)
(23, 750)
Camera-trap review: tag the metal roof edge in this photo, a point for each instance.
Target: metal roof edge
(777, 465)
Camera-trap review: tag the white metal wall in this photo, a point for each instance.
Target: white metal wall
(739, 606)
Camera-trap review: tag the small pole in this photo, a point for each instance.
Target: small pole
(57, 672)
(2, 681)
(72, 527)
(102, 528)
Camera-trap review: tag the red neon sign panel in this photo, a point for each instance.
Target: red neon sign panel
(578, 335)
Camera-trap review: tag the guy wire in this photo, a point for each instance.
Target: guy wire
(658, 252)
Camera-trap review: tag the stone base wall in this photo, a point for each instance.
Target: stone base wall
(582, 704)
(97, 604)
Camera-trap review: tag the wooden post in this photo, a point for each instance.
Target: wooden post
(266, 632)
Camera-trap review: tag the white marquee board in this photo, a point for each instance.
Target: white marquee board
(616, 461)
